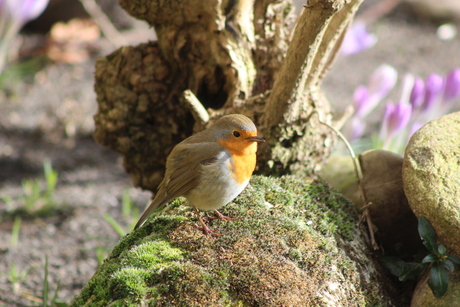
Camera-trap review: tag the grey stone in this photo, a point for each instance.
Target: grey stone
(390, 213)
(431, 177)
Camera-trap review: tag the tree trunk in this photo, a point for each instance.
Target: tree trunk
(219, 57)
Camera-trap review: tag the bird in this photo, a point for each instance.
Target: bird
(209, 168)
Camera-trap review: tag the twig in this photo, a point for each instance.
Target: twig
(339, 122)
(199, 113)
(103, 22)
(358, 172)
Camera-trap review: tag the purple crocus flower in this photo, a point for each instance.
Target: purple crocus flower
(417, 94)
(420, 102)
(360, 98)
(434, 87)
(24, 10)
(382, 81)
(354, 128)
(365, 99)
(357, 39)
(396, 118)
(13, 15)
(452, 86)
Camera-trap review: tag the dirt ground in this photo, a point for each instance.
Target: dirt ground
(49, 116)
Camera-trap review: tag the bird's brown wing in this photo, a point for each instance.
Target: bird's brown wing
(184, 169)
(182, 173)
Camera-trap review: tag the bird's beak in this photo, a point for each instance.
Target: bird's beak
(256, 139)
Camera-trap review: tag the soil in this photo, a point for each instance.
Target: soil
(49, 116)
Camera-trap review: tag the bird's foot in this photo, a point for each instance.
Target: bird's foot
(222, 217)
(204, 228)
(208, 231)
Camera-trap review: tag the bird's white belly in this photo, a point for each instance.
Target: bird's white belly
(217, 187)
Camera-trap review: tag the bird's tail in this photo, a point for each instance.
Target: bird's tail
(155, 204)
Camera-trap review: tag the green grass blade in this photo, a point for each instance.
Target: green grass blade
(15, 232)
(115, 225)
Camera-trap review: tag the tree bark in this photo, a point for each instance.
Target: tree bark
(298, 146)
(219, 57)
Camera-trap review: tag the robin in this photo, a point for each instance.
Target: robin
(209, 168)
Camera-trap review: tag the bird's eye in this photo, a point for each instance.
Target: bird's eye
(236, 134)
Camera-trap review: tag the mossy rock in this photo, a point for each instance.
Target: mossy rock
(297, 243)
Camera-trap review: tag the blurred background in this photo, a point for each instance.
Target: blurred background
(65, 198)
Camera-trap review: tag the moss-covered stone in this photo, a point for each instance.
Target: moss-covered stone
(297, 243)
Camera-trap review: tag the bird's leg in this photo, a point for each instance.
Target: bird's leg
(222, 217)
(206, 230)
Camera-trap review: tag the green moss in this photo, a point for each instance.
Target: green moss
(152, 254)
(127, 275)
(305, 203)
(279, 253)
(129, 281)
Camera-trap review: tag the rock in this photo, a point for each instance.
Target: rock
(396, 224)
(431, 177)
(423, 296)
(390, 212)
(297, 244)
(338, 172)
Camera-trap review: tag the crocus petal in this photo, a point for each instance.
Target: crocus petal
(408, 84)
(382, 81)
(418, 93)
(400, 117)
(452, 86)
(13, 15)
(357, 129)
(396, 118)
(24, 10)
(360, 98)
(389, 107)
(434, 85)
(357, 39)
(33, 8)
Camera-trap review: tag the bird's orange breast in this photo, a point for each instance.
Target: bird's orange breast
(243, 158)
(243, 167)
